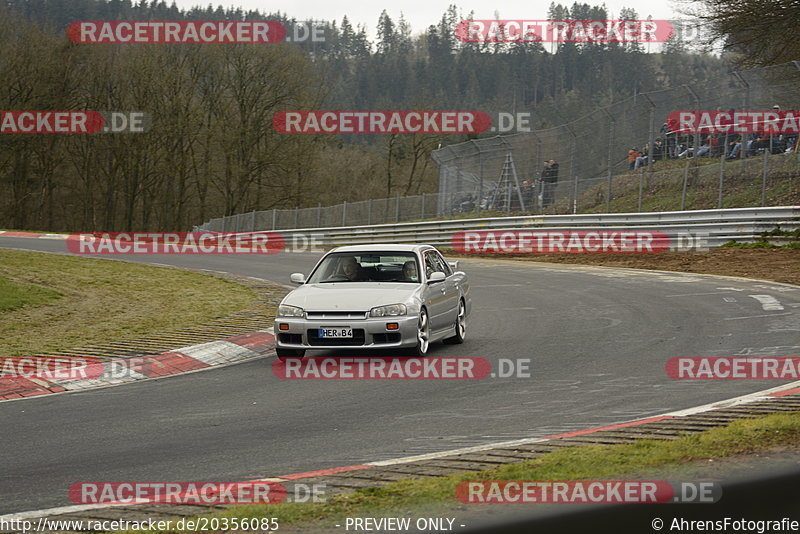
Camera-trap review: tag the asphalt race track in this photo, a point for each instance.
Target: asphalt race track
(598, 340)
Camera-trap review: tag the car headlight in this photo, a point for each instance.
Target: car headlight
(388, 311)
(290, 311)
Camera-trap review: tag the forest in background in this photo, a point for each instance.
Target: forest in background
(212, 150)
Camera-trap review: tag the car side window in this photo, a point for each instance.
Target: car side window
(430, 264)
(445, 266)
(435, 264)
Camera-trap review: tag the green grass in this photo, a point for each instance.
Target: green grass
(14, 295)
(763, 241)
(612, 462)
(104, 300)
(664, 190)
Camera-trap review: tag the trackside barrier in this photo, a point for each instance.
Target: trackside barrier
(717, 226)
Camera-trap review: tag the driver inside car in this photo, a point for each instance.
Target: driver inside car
(352, 270)
(410, 271)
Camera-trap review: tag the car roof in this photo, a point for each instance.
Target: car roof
(387, 247)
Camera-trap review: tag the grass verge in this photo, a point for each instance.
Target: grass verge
(630, 461)
(104, 300)
(14, 295)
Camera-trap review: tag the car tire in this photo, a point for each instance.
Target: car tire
(289, 354)
(423, 335)
(460, 326)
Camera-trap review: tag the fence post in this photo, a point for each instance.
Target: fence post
(253, 222)
(574, 149)
(480, 183)
(274, 218)
(610, 157)
(641, 188)
(538, 163)
(695, 148)
(742, 141)
(344, 213)
(296, 216)
(397, 209)
(651, 140)
(369, 212)
(764, 179)
(722, 170)
(572, 172)
(685, 184)
(423, 206)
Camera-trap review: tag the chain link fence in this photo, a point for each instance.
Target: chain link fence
(587, 165)
(365, 212)
(624, 158)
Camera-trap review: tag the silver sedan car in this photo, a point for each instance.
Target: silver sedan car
(375, 296)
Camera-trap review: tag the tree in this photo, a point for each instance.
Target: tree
(761, 32)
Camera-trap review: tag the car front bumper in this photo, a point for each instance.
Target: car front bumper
(371, 333)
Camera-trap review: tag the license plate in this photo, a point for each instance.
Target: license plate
(339, 332)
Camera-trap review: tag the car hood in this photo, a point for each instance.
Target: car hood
(350, 296)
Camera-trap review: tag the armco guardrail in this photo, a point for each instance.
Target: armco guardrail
(718, 226)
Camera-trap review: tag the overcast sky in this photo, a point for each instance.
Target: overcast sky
(422, 13)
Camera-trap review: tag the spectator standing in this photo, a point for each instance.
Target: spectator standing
(549, 181)
(632, 155)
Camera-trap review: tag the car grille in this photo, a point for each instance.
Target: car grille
(336, 314)
(314, 339)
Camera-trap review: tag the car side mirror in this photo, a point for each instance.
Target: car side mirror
(453, 265)
(298, 278)
(438, 276)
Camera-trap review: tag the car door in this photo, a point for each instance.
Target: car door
(451, 292)
(441, 297)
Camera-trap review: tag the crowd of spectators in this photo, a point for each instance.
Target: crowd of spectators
(673, 144)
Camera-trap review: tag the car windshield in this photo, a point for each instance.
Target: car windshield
(367, 267)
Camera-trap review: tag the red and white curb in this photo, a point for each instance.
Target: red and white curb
(174, 362)
(779, 391)
(9, 233)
